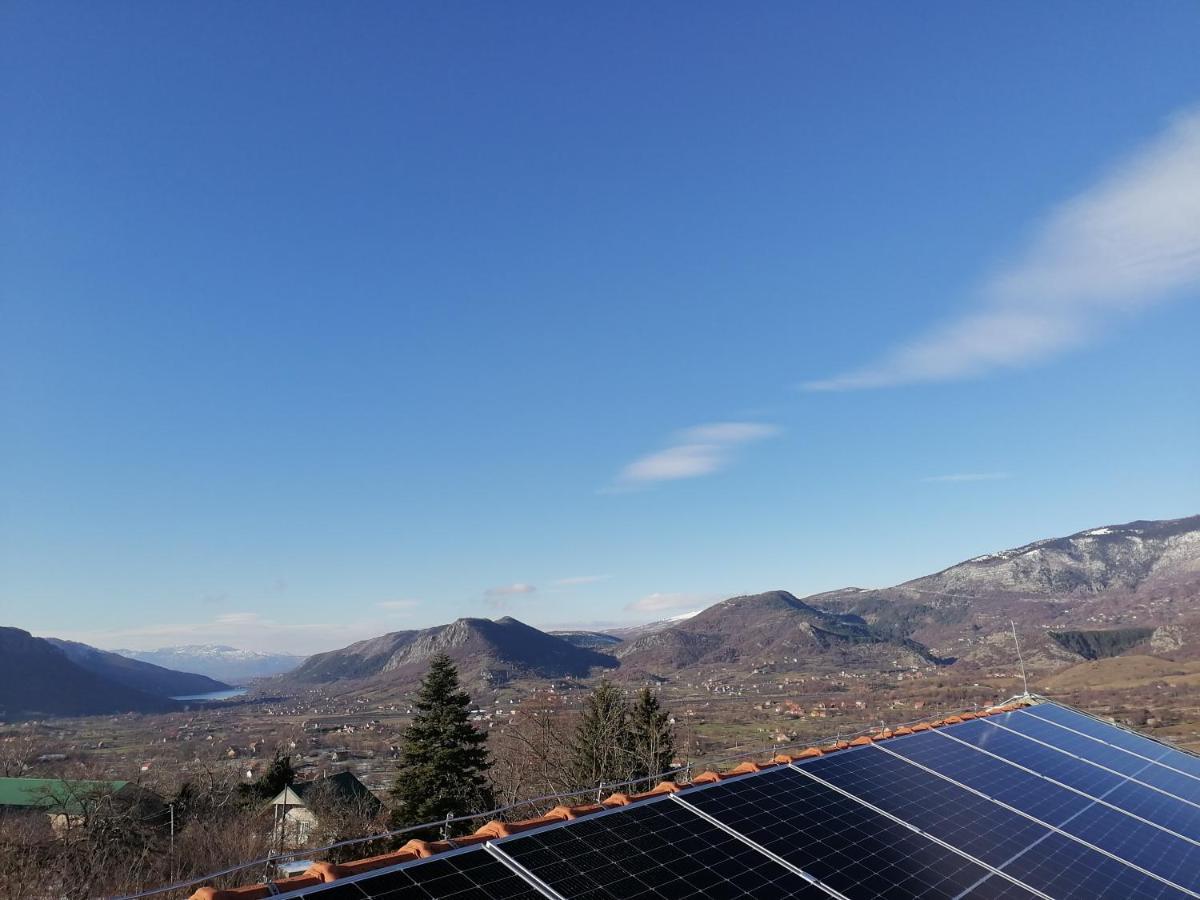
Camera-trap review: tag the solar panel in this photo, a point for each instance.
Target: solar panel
(1177, 815)
(1167, 779)
(944, 810)
(1130, 840)
(1039, 802)
(472, 874)
(847, 846)
(1119, 737)
(649, 850)
(1067, 870)
(1014, 844)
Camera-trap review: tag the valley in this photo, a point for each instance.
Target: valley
(1108, 620)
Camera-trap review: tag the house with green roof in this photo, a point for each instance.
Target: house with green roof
(69, 802)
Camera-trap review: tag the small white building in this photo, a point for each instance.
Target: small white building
(296, 820)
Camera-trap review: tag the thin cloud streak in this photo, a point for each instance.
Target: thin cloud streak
(696, 452)
(661, 602)
(1129, 242)
(581, 580)
(966, 476)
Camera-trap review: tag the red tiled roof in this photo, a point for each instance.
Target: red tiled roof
(324, 872)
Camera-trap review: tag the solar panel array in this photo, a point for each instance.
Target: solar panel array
(1039, 802)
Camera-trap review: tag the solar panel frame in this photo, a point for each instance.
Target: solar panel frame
(404, 881)
(1056, 807)
(1072, 871)
(570, 859)
(931, 804)
(1176, 783)
(1085, 831)
(1051, 864)
(1116, 736)
(849, 847)
(1078, 773)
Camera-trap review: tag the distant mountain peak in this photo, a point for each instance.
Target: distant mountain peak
(219, 661)
(772, 628)
(486, 650)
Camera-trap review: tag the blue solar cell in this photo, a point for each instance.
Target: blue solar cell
(1067, 870)
(1043, 760)
(1180, 817)
(851, 848)
(970, 822)
(651, 850)
(1028, 793)
(1177, 783)
(948, 812)
(1176, 815)
(1138, 842)
(1135, 743)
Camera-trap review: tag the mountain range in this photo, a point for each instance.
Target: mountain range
(136, 674)
(1100, 592)
(1117, 589)
(1141, 577)
(772, 628)
(48, 677)
(218, 661)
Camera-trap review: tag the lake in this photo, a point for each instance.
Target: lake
(214, 695)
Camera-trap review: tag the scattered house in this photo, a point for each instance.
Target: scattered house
(70, 803)
(297, 806)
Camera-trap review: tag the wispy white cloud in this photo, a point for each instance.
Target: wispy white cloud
(663, 602)
(697, 451)
(1126, 243)
(967, 476)
(577, 580)
(240, 618)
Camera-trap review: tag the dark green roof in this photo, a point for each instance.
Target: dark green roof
(344, 787)
(52, 794)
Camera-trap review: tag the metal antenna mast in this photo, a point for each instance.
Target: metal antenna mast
(1020, 659)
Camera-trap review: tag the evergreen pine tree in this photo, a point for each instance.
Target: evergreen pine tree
(601, 748)
(444, 761)
(652, 737)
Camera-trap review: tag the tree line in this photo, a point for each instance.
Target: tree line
(447, 771)
(447, 767)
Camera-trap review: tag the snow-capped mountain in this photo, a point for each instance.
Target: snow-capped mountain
(218, 661)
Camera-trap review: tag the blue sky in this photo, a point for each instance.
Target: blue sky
(318, 321)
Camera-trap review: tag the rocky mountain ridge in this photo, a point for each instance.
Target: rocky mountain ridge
(1139, 575)
(487, 651)
(772, 628)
